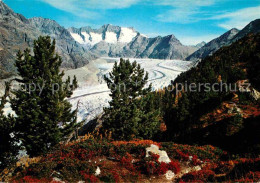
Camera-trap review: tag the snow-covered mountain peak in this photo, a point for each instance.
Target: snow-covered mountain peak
(107, 33)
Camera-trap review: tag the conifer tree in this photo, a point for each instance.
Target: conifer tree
(44, 117)
(130, 115)
(8, 147)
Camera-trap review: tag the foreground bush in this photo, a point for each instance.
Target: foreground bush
(126, 161)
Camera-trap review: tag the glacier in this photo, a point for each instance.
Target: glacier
(93, 94)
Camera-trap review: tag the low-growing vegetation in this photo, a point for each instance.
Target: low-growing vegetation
(126, 161)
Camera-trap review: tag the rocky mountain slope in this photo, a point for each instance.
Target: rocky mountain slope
(224, 40)
(214, 45)
(15, 34)
(74, 54)
(168, 47)
(226, 118)
(18, 33)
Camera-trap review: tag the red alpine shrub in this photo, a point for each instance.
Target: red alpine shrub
(250, 177)
(88, 177)
(183, 156)
(150, 167)
(155, 157)
(127, 162)
(197, 176)
(195, 160)
(29, 179)
(162, 168)
(174, 166)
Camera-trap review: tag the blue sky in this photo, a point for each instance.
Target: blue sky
(191, 21)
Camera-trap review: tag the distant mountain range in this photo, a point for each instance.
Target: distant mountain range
(224, 40)
(115, 41)
(77, 46)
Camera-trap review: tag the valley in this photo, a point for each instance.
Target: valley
(93, 93)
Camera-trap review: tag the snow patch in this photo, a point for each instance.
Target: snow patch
(95, 38)
(126, 35)
(87, 37)
(111, 37)
(77, 38)
(92, 38)
(144, 35)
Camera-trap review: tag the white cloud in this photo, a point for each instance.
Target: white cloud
(109, 4)
(88, 8)
(178, 15)
(238, 19)
(183, 11)
(186, 3)
(72, 6)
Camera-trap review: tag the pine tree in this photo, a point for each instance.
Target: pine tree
(8, 147)
(129, 115)
(44, 117)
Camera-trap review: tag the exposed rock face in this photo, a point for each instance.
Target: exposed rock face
(213, 46)
(255, 94)
(224, 40)
(18, 33)
(15, 34)
(245, 86)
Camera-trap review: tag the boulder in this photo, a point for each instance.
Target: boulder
(98, 171)
(163, 157)
(169, 175)
(255, 94)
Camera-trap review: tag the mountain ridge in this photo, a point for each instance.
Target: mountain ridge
(212, 46)
(225, 39)
(18, 33)
(115, 41)
(78, 46)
